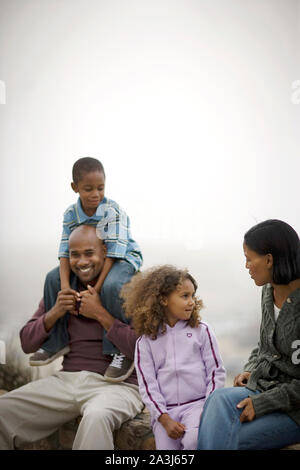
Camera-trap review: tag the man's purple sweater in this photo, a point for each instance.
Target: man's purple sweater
(85, 342)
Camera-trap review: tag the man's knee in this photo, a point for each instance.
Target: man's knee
(99, 417)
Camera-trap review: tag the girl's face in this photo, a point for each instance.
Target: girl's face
(259, 266)
(180, 303)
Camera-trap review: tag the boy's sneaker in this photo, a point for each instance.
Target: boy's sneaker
(42, 357)
(119, 369)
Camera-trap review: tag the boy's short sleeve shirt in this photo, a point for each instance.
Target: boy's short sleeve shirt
(112, 225)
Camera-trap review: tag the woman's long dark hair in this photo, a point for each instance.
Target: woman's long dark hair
(280, 240)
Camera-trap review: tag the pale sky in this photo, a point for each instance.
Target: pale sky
(192, 106)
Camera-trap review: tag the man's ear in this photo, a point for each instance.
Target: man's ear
(74, 187)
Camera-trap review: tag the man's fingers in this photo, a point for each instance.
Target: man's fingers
(73, 312)
(68, 291)
(67, 302)
(91, 289)
(83, 292)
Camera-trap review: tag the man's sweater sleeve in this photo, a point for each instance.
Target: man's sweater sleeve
(148, 385)
(33, 334)
(123, 337)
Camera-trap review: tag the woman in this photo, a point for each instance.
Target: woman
(262, 410)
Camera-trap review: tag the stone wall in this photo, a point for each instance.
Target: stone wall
(135, 434)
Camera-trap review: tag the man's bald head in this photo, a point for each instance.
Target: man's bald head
(87, 253)
(84, 231)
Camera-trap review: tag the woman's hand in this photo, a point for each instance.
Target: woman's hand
(248, 414)
(241, 380)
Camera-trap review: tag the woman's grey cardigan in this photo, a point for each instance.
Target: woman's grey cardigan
(275, 363)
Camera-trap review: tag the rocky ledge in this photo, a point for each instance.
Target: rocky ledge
(135, 434)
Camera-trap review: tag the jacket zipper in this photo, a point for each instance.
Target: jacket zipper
(177, 385)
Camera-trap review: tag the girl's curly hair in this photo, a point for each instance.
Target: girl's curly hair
(143, 296)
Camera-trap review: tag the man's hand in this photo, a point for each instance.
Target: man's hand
(90, 303)
(174, 428)
(66, 301)
(248, 414)
(241, 380)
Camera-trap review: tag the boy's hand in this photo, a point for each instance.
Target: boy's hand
(90, 303)
(174, 429)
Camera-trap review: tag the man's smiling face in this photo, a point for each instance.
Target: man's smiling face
(87, 253)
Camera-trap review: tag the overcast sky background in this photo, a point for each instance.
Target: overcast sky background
(192, 106)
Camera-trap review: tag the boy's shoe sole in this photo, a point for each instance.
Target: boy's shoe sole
(120, 378)
(47, 360)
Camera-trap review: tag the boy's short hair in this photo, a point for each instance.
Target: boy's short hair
(282, 242)
(86, 165)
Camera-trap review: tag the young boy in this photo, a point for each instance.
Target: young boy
(123, 259)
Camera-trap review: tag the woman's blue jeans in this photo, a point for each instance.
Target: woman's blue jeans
(221, 429)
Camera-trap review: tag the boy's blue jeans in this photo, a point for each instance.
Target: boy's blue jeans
(221, 429)
(120, 273)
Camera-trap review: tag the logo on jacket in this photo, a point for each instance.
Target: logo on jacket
(189, 335)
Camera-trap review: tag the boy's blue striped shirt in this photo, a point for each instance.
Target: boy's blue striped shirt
(112, 225)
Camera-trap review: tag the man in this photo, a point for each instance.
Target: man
(37, 409)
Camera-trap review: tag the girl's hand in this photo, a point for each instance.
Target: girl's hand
(174, 429)
(248, 413)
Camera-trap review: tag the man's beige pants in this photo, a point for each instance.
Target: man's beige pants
(39, 408)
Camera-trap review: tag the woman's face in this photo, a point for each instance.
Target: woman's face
(259, 266)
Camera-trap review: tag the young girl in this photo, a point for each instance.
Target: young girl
(177, 358)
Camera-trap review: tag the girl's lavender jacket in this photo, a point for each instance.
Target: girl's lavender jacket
(179, 367)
